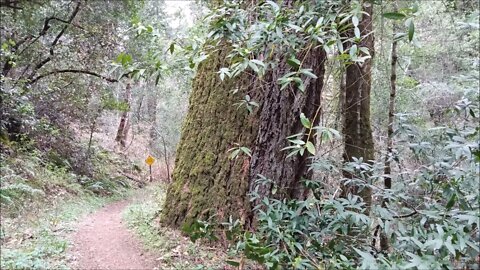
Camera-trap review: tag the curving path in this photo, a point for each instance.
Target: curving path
(102, 241)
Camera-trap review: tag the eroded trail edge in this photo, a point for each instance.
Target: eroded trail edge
(102, 241)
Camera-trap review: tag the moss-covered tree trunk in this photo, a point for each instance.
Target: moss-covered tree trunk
(206, 181)
(124, 125)
(358, 80)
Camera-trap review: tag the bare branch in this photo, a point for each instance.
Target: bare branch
(60, 71)
(55, 41)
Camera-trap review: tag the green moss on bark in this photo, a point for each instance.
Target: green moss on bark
(205, 180)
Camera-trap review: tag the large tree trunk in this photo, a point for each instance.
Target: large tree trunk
(357, 129)
(205, 180)
(279, 117)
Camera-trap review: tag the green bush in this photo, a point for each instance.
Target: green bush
(430, 217)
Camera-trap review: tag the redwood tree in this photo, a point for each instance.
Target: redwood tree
(206, 180)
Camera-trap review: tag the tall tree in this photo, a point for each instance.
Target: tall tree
(124, 124)
(358, 80)
(207, 179)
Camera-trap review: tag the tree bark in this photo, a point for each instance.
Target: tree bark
(279, 118)
(384, 245)
(391, 114)
(206, 181)
(357, 130)
(165, 156)
(122, 130)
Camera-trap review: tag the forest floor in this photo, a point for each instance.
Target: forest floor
(103, 241)
(127, 234)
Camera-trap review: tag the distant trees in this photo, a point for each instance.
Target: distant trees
(124, 125)
(45, 46)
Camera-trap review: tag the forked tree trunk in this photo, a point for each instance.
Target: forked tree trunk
(123, 127)
(357, 129)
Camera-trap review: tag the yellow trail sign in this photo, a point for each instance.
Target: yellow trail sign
(149, 160)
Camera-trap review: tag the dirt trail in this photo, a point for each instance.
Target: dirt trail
(102, 241)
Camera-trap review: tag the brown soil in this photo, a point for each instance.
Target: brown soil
(102, 241)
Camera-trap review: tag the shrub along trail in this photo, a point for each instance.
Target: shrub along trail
(102, 241)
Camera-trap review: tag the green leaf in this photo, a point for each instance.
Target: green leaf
(253, 66)
(353, 51)
(258, 62)
(233, 263)
(293, 62)
(399, 36)
(355, 21)
(305, 121)
(310, 147)
(126, 59)
(308, 72)
(294, 152)
(172, 47)
(235, 153)
(223, 72)
(451, 202)
(448, 244)
(300, 85)
(357, 33)
(297, 141)
(275, 7)
(340, 46)
(246, 150)
(394, 15)
(411, 30)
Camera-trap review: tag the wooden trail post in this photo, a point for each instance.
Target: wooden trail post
(150, 160)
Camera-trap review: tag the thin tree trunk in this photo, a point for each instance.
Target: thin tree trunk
(152, 103)
(166, 159)
(122, 130)
(341, 103)
(138, 115)
(126, 130)
(357, 128)
(90, 140)
(391, 116)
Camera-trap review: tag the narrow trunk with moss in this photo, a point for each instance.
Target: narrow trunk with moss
(357, 128)
(123, 127)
